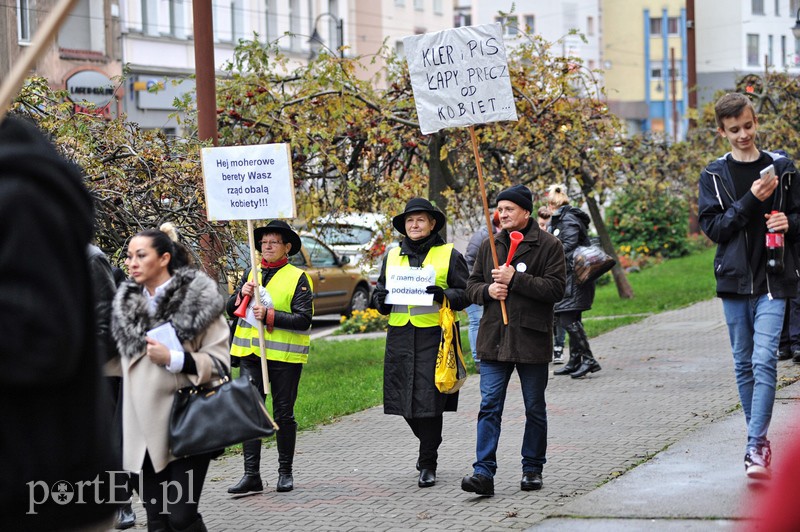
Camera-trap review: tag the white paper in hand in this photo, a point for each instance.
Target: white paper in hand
(165, 334)
(266, 301)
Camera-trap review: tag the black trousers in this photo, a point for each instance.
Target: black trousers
(172, 496)
(284, 378)
(428, 431)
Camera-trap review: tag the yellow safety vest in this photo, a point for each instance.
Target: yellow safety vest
(421, 316)
(281, 344)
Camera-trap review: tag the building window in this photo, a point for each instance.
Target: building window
(770, 57)
(437, 7)
(294, 25)
(399, 3)
(399, 48)
(758, 7)
(794, 5)
(589, 25)
(23, 21)
(796, 52)
(510, 25)
(419, 5)
(673, 25)
(655, 26)
(530, 23)
(752, 49)
(777, 8)
(783, 50)
(272, 20)
(655, 73)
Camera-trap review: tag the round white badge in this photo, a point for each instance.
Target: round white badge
(555, 233)
(521, 267)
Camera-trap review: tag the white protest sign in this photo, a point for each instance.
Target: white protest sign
(406, 285)
(248, 182)
(460, 77)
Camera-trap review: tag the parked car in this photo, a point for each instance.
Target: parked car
(339, 286)
(361, 237)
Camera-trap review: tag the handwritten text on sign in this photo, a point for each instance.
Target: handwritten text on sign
(248, 182)
(406, 285)
(460, 77)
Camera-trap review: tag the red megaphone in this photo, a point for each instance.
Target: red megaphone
(241, 310)
(516, 238)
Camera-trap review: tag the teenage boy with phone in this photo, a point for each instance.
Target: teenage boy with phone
(734, 206)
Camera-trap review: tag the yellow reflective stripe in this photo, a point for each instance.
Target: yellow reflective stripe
(245, 325)
(431, 309)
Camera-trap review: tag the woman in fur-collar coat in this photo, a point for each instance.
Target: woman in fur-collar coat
(163, 291)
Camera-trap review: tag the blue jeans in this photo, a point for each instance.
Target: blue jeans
(494, 383)
(754, 326)
(475, 312)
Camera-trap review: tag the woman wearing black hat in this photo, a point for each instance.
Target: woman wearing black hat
(287, 318)
(412, 341)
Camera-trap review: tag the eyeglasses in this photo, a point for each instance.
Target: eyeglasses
(270, 243)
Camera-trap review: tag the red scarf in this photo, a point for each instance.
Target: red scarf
(276, 264)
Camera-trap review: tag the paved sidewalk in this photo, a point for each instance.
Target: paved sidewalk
(664, 380)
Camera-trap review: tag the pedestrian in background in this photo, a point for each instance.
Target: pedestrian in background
(475, 311)
(530, 286)
(104, 286)
(735, 208)
(412, 340)
(287, 339)
(571, 226)
(559, 339)
(165, 290)
(56, 417)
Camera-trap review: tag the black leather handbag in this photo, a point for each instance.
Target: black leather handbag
(207, 418)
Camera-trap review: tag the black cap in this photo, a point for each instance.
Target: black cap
(519, 194)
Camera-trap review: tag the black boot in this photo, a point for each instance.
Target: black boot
(572, 365)
(589, 365)
(251, 481)
(286, 438)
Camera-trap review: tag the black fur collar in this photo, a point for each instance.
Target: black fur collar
(191, 302)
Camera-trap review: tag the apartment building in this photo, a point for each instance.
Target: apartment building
(83, 58)
(644, 59)
(556, 22)
(738, 37)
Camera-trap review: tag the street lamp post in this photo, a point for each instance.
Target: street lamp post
(316, 42)
(796, 28)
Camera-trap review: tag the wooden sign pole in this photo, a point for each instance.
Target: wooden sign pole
(257, 298)
(486, 211)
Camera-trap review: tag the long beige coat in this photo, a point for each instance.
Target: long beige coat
(193, 305)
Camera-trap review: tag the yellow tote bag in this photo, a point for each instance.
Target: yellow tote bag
(451, 372)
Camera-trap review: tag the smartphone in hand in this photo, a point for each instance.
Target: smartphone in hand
(768, 173)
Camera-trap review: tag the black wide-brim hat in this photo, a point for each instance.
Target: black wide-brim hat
(419, 205)
(282, 228)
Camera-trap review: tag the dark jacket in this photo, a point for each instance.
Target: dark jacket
(536, 286)
(723, 220)
(410, 359)
(302, 302)
(474, 245)
(103, 289)
(571, 226)
(56, 417)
